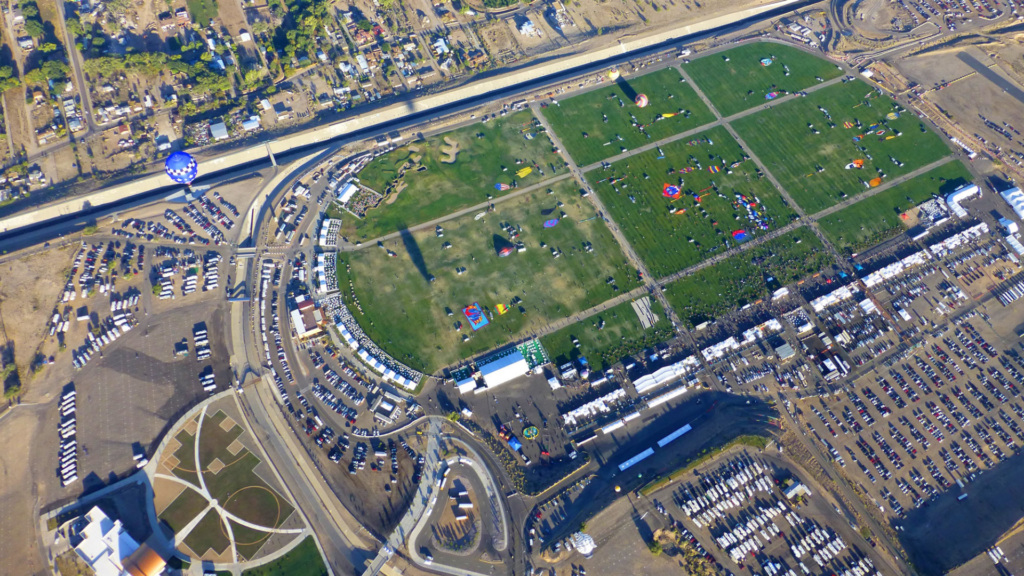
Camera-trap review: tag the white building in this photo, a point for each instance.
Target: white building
(504, 369)
(1015, 198)
(110, 551)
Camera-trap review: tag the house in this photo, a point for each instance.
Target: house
(219, 131)
(245, 37)
(265, 104)
(362, 37)
(163, 143)
(345, 67)
(476, 58)
(320, 55)
(282, 111)
(527, 28)
(181, 14)
(253, 123)
(364, 66)
(26, 43)
(440, 47)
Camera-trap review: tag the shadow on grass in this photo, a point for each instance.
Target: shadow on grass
(413, 249)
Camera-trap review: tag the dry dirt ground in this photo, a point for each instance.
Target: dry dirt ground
(19, 492)
(19, 126)
(29, 289)
(232, 17)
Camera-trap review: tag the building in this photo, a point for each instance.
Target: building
(1015, 198)
(307, 320)
(109, 550)
(503, 369)
(795, 490)
(785, 352)
(253, 123)
(218, 131)
(527, 28)
(959, 195)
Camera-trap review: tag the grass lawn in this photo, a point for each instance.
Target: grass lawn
(796, 155)
(186, 455)
(747, 276)
(742, 82)
(304, 559)
(248, 541)
(202, 11)
(878, 218)
(185, 507)
(584, 114)
(406, 315)
(621, 335)
(208, 533)
(238, 489)
(670, 242)
(443, 188)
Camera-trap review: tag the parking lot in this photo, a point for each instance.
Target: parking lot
(138, 386)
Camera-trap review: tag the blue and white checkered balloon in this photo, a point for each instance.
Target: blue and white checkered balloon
(181, 167)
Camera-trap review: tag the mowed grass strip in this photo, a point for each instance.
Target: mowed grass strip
(878, 218)
(304, 559)
(742, 82)
(208, 533)
(747, 276)
(183, 509)
(811, 166)
(488, 154)
(248, 541)
(608, 337)
(668, 242)
(407, 315)
(186, 455)
(580, 121)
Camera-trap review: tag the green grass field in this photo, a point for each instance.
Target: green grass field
(186, 455)
(584, 114)
(444, 188)
(742, 82)
(237, 487)
(248, 541)
(663, 239)
(744, 278)
(183, 509)
(304, 559)
(795, 155)
(202, 11)
(621, 335)
(405, 314)
(208, 533)
(876, 219)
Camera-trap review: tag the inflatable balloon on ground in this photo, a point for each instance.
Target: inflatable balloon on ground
(641, 100)
(613, 74)
(181, 167)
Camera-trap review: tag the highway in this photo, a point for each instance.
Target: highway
(73, 220)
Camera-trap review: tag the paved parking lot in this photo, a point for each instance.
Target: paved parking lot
(138, 387)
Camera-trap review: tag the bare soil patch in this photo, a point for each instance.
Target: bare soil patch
(451, 151)
(29, 289)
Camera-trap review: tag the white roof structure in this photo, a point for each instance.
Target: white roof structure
(466, 386)
(1015, 198)
(347, 192)
(584, 544)
(504, 369)
(219, 131)
(666, 374)
(959, 195)
(105, 544)
(1009, 225)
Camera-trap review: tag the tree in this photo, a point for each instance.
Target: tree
(29, 10)
(34, 28)
(74, 26)
(655, 548)
(385, 47)
(364, 25)
(48, 47)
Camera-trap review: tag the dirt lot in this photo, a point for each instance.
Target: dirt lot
(21, 459)
(232, 18)
(29, 290)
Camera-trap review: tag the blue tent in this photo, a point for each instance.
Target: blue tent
(514, 443)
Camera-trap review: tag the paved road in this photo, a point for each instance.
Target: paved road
(993, 77)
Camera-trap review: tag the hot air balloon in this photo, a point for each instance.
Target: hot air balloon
(641, 100)
(181, 167)
(613, 74)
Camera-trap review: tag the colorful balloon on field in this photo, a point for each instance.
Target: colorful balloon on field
(641, 100)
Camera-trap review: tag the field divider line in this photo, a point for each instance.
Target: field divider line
(482, 206)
